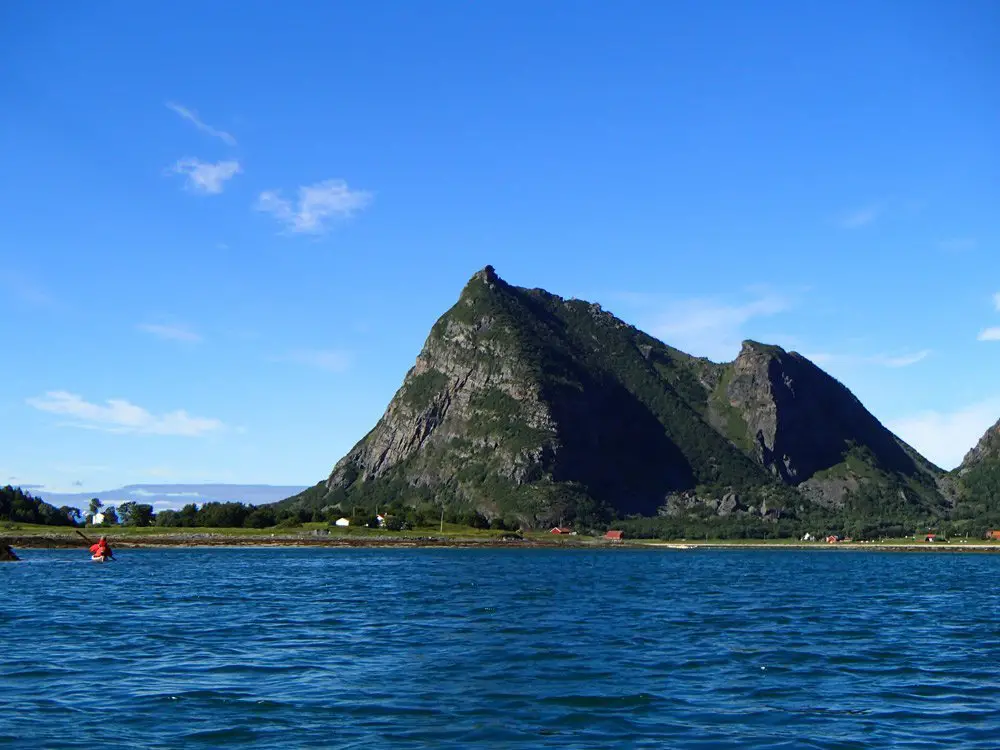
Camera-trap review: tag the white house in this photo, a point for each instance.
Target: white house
(342, 522)
(97, 519)
(381, 520)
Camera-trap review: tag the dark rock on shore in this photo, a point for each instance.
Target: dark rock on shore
(7, 554)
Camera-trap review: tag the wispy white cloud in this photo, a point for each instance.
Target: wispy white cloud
(204, 177)
(170, 332)
(331, 360)
(996, 301)
(316, 206)
(192, 117)
(883, 360)
(989, 334)
(902, 360)
(860, 217)
(958, 244)
(708, 327)
(945, 437)
(119, 415)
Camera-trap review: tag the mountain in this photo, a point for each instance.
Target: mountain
(163, 496)
(978, 482)
(525, 405)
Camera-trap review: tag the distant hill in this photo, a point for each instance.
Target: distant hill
(528, 406)
(172, 496)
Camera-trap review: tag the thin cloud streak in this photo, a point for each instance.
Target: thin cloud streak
(170, 332)
(708, 327)
(331, 360)
(904, 360)
(192, 117)
(121, 416)
(882, 360)
(989, 334)
(861, 217)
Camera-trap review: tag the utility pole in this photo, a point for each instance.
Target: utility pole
(442, 518)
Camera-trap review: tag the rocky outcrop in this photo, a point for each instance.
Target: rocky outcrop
(467, 371)
(800, 420)
(7, 554)
(988, 448)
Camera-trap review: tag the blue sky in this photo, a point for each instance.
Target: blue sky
(228, 227)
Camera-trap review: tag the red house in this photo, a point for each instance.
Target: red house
(613, 535)
(560, 530)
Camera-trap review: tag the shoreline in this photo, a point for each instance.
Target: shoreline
(217, 541)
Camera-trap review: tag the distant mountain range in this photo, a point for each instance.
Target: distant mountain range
(527, 406)
(164, 496)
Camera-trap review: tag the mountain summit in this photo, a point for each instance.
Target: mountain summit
(524, 404)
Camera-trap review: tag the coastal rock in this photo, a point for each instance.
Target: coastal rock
(7, 554)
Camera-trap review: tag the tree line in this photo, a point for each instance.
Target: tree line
(18, 506)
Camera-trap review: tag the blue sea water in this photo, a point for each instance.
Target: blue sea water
(352, 648)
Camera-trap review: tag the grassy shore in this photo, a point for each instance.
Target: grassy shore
(321, 535)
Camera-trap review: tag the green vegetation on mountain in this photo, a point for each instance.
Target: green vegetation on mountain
(978, 485)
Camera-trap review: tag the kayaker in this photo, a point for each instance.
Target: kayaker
(102, 549)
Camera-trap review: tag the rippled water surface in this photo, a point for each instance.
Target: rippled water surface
(474, 647)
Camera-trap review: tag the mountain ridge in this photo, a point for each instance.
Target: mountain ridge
(524, 404)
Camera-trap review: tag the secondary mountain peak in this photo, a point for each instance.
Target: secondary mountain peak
(986, 449)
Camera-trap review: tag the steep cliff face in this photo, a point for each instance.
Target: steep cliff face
(527, 403)
(470, 393)
(986, 450)
(809, 430)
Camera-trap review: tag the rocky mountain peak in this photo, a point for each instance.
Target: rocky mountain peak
(799, 419)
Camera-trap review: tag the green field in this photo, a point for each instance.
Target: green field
(313, 533)
(304, 530)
